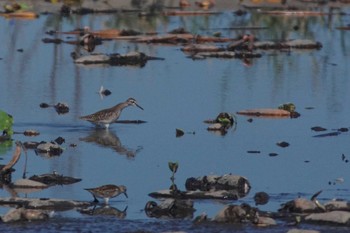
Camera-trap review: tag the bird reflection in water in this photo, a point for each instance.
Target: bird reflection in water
(105, 210)
(108, 139)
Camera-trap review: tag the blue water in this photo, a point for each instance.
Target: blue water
(181, 93)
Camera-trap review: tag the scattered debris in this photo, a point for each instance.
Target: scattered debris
(61, 108)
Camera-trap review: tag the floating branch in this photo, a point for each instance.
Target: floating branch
(16, 155)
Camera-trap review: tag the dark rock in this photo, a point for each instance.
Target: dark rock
(261, 198)
(44, 105)
(60, 140)
(282, 144)
(170, 208)
(61, 108)
(236, 214)
(48, 148)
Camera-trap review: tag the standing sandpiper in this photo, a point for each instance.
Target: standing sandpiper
(107, 191)
(109, 115)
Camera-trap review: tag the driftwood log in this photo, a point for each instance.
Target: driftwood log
(6, 170)
(43, 203)
(132, 58)
(265, 112)
(226, 187)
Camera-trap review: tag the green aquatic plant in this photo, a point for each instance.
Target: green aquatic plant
(290, 107)
(6, 122)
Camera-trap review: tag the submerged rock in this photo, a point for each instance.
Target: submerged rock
(48, 148)
(22, 214)
(334, 217)
(236, 214)
(105, 211)
(302, 231)
(43, 203)
(261, 198)
(337, 205)
(170, 208)
(300, 205)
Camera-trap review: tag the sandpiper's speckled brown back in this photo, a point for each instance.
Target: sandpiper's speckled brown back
(109, 115)
(107, 191)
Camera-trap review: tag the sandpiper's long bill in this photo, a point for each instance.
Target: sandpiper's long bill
(107, 191)
(109, 115)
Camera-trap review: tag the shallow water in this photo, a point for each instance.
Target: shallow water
(179, 93)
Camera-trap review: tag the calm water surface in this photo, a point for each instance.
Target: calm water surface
(179, 93)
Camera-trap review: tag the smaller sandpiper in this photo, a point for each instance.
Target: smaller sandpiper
(109, 115)
(107, 191)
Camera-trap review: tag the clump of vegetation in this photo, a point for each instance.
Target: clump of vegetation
(290, 107)
(6, 122)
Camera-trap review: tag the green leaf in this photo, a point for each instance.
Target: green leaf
(6, 122)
